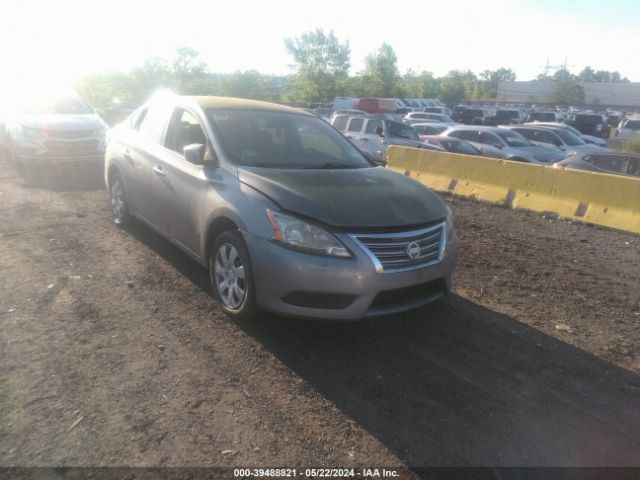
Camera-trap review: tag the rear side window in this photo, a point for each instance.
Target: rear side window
(356, 124)
(185, 129)
(611, 163)
(634, 167)
(373, 126)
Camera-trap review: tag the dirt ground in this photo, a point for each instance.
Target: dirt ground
(113, 352)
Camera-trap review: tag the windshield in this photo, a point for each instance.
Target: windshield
(588, 119)
(514, 139)
(543, 116)
(507, 114)
(468, 113)
(282, 140)
(65, 105)
(569, 138)
(401, 130)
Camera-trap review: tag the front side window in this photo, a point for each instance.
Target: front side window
(184, 129)
(514, 139)
(282, 140)
(457, 146)
(525, 132)
(401, 130)
(151, 126)
(570, 138)
(612, 163)
(373, 126)
(356, 124)
(489, 139)
(547, 137)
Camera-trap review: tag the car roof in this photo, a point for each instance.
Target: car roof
(229, 103)
(481, 128)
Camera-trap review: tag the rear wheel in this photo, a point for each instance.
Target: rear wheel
(119, 207)
(231, 276)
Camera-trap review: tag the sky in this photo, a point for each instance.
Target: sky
(61, 40)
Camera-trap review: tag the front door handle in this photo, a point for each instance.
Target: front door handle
(127, 156)
(158, 170)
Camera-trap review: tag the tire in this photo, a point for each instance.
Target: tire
(234, 291)
(118, 200)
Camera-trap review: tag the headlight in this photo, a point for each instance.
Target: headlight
(304, 236)
(29, 133)
(449, 223)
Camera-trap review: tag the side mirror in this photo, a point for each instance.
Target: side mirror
(380, 131)
(194, 153)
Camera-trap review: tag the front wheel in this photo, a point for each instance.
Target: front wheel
(119, 207)
(231, 276)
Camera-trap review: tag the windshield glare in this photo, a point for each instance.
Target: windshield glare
(514, 139)
(282, 140)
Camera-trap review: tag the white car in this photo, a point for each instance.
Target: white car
(629, 128)
(440, 110)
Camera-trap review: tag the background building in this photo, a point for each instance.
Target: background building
(609, 94)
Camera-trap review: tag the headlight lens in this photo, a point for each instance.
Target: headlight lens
(26, 132)
(298, 234)
(449, 223)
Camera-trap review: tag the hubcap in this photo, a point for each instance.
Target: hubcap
(229, 276)
(117, 199)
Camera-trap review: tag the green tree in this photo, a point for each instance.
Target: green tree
(587, 74)
(487, 86)
(567, 92)
(457, 85)
(250, 84)
(381, 73)
(321, 64)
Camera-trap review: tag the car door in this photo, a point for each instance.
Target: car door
(140, 150)
(354, 130)
(178, 186)
(616, 164)
(634, 167)
(487, 142)
(371, 140)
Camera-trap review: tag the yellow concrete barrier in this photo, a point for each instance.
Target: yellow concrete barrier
(608, 200)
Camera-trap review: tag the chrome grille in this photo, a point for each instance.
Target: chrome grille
(390, 252)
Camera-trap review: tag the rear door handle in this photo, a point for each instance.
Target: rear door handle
(127, 156)
(158, 170)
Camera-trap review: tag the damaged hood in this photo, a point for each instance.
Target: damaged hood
(348, 198)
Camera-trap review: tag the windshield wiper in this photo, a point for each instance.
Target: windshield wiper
(333, 165)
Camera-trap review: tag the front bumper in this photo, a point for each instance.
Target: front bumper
(358, 289)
